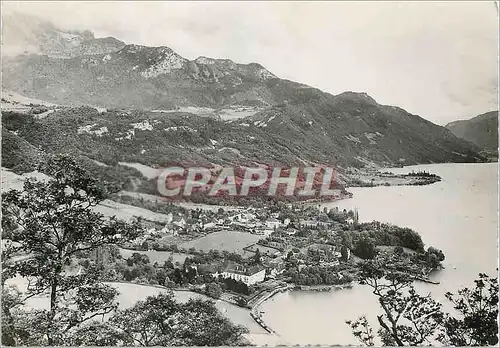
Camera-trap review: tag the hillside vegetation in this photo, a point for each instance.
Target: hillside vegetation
(481, 130)
(153, 107)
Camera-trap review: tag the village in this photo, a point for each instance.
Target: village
(241, 256)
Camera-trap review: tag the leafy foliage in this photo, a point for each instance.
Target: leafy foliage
(362, 331)
(412, 319)
(387, 234)
(213, 290)
(365, 248)
(408, 318)
(477, 324)
(160, 320)
(51, 222)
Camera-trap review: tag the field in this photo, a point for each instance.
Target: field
(127, 212)
(107, 207)
(156, 256)
(231, 241)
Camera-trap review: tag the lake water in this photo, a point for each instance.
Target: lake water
(458, 215)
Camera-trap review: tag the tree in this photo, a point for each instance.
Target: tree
(178, 277)
(161, 276)
(256, 259)
(399, 250)
(161, 321)
(213, 290)
(95, 333)
(362, 330)
(478, 321)
(365, 248)
(434, 257)
(412, 319)
(347, 240)
(410, 239)
(191, 274)
(20, 327)
(201, 324)
(408, 318)
(52, 221)
(344, 252)
(148, 323)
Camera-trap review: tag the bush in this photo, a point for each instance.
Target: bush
(365, 249)
(213, 290)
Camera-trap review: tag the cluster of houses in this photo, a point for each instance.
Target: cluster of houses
(272, 247)
(176, 224)
(250, 222)
(271, 266)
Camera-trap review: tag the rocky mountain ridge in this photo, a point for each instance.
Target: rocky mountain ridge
(138, 77)
(25, 34)
(151, 100)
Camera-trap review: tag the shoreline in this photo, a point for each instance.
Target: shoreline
(253, 311)
(256, 314)
(323, 288)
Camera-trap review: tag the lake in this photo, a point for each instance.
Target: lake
(457, 215)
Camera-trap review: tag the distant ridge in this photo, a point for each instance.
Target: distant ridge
(481, 130)
(158, 106)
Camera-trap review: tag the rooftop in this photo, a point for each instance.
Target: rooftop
(233, 267)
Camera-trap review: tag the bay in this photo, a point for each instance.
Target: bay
(458, 215)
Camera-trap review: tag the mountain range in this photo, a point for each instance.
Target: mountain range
(129, 103)
(481, 130)
(26, 34)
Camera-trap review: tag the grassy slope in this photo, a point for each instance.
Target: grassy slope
(481, 130)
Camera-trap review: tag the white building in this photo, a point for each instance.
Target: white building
(209, 225)
(242, 217)
(170, 218)
(249, 276)
(273, 223)
(181, 223)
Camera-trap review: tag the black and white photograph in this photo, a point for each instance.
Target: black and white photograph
(249, 173)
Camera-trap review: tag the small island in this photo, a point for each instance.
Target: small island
(358, 178)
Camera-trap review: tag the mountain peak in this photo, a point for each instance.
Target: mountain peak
(26, 34)
(134, 48)
(205, 60)
(357, 96)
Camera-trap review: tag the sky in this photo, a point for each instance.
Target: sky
(438, 60)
